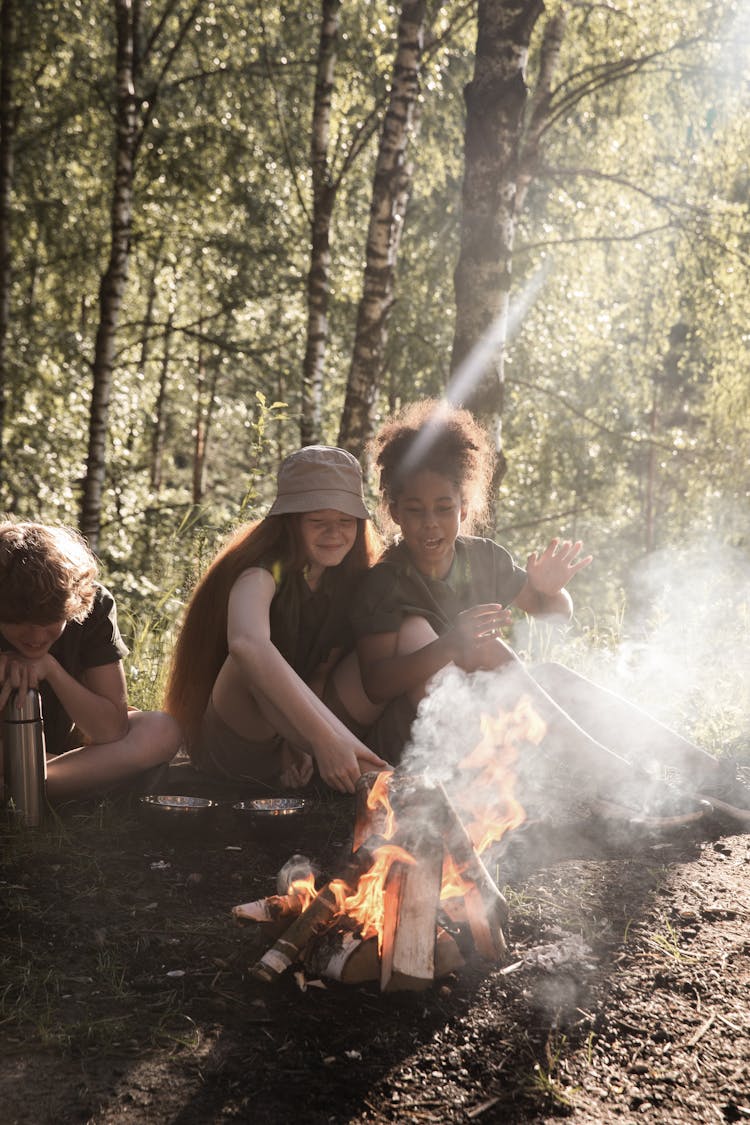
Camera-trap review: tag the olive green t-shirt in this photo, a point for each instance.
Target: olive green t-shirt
(83, 644)
(306, 625)
(482, 571)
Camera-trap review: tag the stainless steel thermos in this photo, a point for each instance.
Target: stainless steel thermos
(25, 764)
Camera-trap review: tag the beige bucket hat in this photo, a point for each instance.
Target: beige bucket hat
(320, 476)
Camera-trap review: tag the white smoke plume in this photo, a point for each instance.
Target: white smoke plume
(683, 658)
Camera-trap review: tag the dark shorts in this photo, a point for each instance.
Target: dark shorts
(390, 733)
(222, 752)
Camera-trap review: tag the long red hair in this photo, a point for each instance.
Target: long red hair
(201, 646)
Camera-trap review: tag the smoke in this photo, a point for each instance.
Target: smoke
(681, 661)
(296, 867)
(684, 651)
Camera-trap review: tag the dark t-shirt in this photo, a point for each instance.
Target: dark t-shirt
(86, 644)
(482, 571)
(306, 625)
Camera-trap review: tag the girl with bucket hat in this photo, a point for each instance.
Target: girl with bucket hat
(264, 682)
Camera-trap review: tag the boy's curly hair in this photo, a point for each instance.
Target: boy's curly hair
(47, 574)
(433, 435)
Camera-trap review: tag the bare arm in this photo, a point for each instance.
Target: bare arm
(264, 670)
(544, 593)
(97, 704)
(470, 643)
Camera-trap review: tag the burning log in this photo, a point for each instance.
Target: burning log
(412, 895)
(341, 955)
(486, 907)
(373, 815)
(344, 956)
(315, 919)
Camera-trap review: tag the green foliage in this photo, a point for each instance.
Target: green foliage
(627, 406)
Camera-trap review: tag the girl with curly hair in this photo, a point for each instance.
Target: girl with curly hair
(440, 596)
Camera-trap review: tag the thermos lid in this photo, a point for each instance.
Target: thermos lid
(29, 711)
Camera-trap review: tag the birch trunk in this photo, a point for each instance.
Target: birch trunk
(495, 103)
(132, 118)
(390, 194)
(114, 278)
(7, 131)
(324, 196)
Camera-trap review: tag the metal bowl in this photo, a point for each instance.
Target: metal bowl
(271, 816)
(178, 812)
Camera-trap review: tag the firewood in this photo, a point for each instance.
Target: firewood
(448, 956)
(454, 909)
(341, 954)
(270, 909)
(370, 814)
(486, 907)
(412, 896)
(315, 918)
(408, 795)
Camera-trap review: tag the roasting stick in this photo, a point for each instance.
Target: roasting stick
(315, 918)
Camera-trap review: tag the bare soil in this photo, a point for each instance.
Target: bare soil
(125, 997)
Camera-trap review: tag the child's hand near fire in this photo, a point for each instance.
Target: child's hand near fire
(474, 637)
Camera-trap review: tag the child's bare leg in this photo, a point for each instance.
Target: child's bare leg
(254, 715)
(153, 738)
(347, 683)
(619, 725)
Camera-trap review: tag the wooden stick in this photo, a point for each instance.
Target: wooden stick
(270, 909)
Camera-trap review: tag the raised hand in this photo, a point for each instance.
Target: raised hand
(550, 571)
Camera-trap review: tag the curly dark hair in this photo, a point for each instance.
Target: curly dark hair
(47, 574)
(435, 436)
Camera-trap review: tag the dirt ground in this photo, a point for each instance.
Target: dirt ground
(125, 996)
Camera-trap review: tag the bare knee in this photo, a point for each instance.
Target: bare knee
(414, 633)
(155, 734)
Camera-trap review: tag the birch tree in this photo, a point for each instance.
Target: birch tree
(390, 193)
(134, 110)
(324, 195)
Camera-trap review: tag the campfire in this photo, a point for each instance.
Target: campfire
(415, 898)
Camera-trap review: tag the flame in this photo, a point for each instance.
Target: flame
(366, 904)
(304, 890)
(378, 796)
(453, 885)
(494, 757)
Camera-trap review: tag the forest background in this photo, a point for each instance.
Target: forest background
(229, 228)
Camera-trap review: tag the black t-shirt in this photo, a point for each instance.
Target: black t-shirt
(482, 571)
(90, 643)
